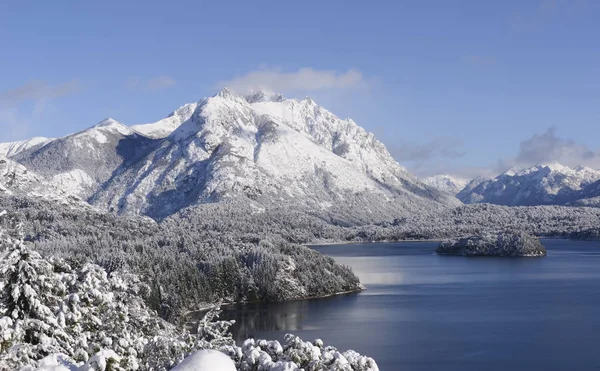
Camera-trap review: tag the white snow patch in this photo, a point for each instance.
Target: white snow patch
(74, 182)
(13, 148)
(206, 360)
(163, 128)
(446, 183)
(54, 362)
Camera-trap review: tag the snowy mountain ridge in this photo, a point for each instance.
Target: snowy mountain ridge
(13, 148)
(16, 178)
(542, 184)
(267, 149)
(446, 183)
(79, 163)
(270, 151)
(164, 127)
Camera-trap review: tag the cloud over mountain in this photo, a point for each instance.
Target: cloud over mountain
(37, 90)
(305, 79)
(548, 147)
(30, 104)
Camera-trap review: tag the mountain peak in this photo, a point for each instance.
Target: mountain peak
(543, 184)
(226, 93)
(309, 101)
(108, 122)
(446, 183)
(264, 96)
(512, 171)
(106, 126)
(554, 166)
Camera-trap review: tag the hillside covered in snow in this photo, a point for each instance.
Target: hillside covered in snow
(446, 183)
(543, 184)
(13, 148)
(265, 149)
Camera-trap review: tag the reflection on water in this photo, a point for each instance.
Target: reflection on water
(423, 312)
(254, 319)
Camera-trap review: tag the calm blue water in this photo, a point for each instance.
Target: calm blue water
(427, 312)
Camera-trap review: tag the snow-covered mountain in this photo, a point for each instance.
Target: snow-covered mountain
(273, 151)
(13, 148)
(80, 163)
(467, 190)
(446, 183)
(589, 196)
(543, 184)
(17, 179)
(162, 129)
(266, 149)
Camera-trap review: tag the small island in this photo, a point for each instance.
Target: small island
(507, 244)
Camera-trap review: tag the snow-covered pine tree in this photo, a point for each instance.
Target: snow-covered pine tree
(77, 317)
(29, 288)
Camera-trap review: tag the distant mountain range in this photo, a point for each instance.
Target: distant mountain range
(264, 149)
(268, 151)
(543, 184)
(446, 183)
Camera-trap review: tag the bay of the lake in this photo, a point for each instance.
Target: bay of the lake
(425, 312)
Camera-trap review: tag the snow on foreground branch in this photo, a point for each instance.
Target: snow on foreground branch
(55, 315)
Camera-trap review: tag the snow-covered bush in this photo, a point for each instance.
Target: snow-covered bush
(49, 307)
(206, 360)
(296, 354)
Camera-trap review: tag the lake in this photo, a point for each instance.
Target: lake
(427, 312)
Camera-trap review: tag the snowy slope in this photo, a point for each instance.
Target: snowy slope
(446, 183)
(16, 179)
(13, 148)
(543, 184)
(467, 192)
(164, 127)
(591, 190)
(589, 196)
(82, 162)
(272, 151)
(342, 137)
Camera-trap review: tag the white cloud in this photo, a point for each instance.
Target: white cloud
(455, 170)
(548, 147)
(37, 91)
(543, 147)
(427, 151)
(304, 80)
(29, 105)
(152, 84)
(435, 156)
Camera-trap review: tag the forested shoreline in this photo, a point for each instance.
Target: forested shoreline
(233, 252)
(222, 253)
(58, 314)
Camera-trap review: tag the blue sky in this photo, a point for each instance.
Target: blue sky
(449, 86)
